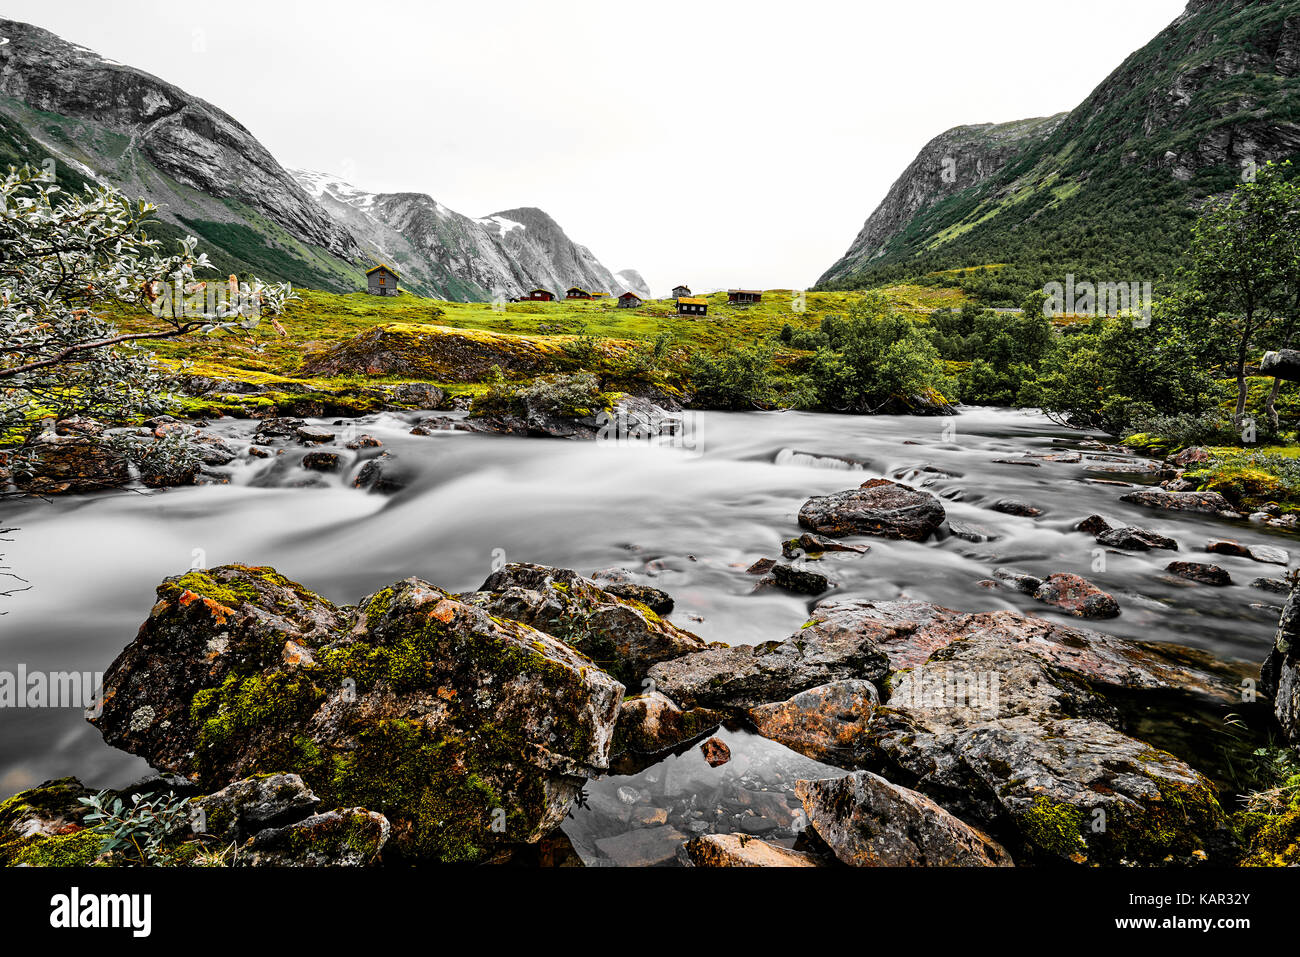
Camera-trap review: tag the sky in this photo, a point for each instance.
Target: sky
(708, 142)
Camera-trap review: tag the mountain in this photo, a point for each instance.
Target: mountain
(632, 281)
(440, 252)
(1108, 190)
(104, 122)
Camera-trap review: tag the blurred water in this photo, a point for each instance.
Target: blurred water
(694, 520)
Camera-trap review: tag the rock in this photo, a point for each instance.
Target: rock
(1269, 554)
(650, 724)
(321, 461)
(1226, 546)
(75, 463)
(348, 837)
(311, 435)
(42, 826)
(416, 395)
(879, 507)
(1025, 584)
(1076, 595)
(621, 635)
(1281, 364)
(643, 847)
(1136, 539)
(868, 822)
(715, 752)
(1208, 503)
(657, 600)
(253, 804)
(1027, 462)
(737, 850)
(1200, 572)
(466, 731)
(1279, 678)
(1191, 456)
(364, 442)
(809, 545)
(1012, 507)
(647, 816)
(1012, 722)
(824, 723)
(971, 532)
(270, 431)
(799, 580)
(1278, 586)
(761, 567)
(740, 677)
(381, 474)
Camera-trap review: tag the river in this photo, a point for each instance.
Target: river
(690, 518)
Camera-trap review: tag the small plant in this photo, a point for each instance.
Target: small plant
(139, 829)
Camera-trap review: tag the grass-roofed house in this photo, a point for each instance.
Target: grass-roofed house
(382, 281)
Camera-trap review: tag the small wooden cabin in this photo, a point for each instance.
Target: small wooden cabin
(538, 295)
(680, 292)
(600, 295)
(382, 281)
(689, 306)
(576, 292)
(744, 297)
(629, 300)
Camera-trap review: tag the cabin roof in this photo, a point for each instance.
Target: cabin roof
(386, 268)
(693, 301)
(632, 294)
(751, 292)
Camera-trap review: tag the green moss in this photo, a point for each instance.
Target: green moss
(1056, 829)
(77, 849)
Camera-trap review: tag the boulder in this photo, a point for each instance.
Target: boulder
(621, 635)
(74, 463)
(1280, 675)
(321, 461)
(466, 731)
(643, 847)
(1201, 572)
(416, 395)
(622, 586)
(825, 723)
(348, 837)
(1136, 539)
(1017, 725)
(253, 804)
(1281, 364)
(1076, 595)
(1268, 554)
(381, 474)
(879, 507)
(650, 724)
(1208, 503)
(1094, 525)
(741, 677)
(1021, 582)
(1278, 586)
(740, 850)
(868, 822)
(799, 580)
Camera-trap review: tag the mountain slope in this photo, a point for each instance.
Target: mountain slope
(1108, 190)
(446, 254)
(106, 122)
(633, 281)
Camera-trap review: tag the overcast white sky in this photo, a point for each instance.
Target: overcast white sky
(713, 142)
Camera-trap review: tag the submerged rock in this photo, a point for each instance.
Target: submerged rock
(799, 580)
(1012, 507)
(464, 730)
(809, 545)
(869, 822)
(621, 635)
(879, 507)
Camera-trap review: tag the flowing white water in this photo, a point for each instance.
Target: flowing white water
(691, 521)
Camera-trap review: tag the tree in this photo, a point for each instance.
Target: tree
(63, 260)
(1243, 249)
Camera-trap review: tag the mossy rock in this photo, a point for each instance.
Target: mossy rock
(465, 730)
